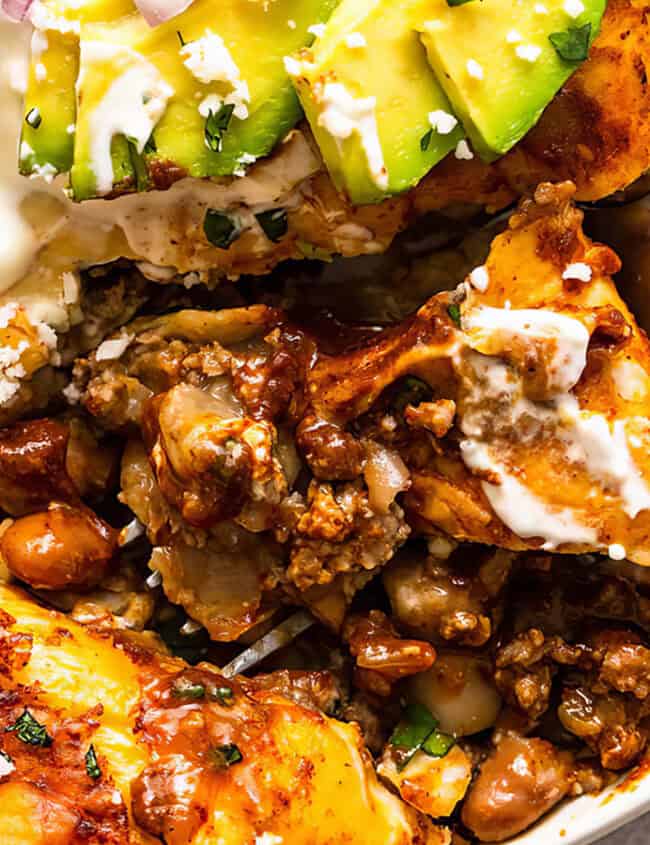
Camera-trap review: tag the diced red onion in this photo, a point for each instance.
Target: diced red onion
(16, 9)
(158, 11)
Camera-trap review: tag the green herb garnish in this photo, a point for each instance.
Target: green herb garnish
(216, 126)
(418, 729)
(33, 118)
(29, 731)
(412, 391)
(425, 140)
(224, 695)
(227, 755)
(220, 229)
(274, 223)
(150, 146)
(573, 44)
(454, 312)
(184, 688)
(437, 744)
(92, 766)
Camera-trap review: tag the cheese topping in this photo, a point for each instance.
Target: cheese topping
(343, 115)
(132, 107)
(209, 60)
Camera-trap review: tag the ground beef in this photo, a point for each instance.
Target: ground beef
(340, 533)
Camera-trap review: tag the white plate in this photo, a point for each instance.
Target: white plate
(591, 817)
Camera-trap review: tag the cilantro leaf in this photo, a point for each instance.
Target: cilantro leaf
(572, 45)
(425, 140)
(92, 766)
(454, 312)
(29, 731)
(220, 229)
(33, 118)
(227, 755)
(216, 126)
(274, 223)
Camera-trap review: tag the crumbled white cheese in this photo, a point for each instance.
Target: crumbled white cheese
(479, 278)
(513, 36)
(616, 551)
(474, 69)
(268, 839)
(442, 121)
(343, 115)
(209, 60)
(243, 162)
(355, 40)
(41, 17)
(463, 151)
(132, 106)
(578, 271)
(7, 314)
(6, 766)
(317, 29)
(70, 288)
(292, 66)
(528, 52)
(46, 335)
(574, 8)
(114, 348)
(72, 394)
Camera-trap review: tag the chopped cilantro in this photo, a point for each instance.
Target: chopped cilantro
(92, 766)
(454, 312)
(412, 391)
(29, 731)
(572, 45)
(425, 140)
(185, 688)
(224, 695)
(274, 223)
(227, 755)
(220, 229)
(33, 118)
(418, 729)
(150, 146)
(216, 126)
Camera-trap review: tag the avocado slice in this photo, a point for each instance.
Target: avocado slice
(213, 91)
(368, 93)
(498, 65)
(50, 104)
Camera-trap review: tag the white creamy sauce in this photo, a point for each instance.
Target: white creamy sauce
(495, 411)
(521, 511)
(209, 60)
(132, 106)
(343, 115)
(569, 336)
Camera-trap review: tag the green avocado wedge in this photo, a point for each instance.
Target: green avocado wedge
(368, 93)
(502, 61)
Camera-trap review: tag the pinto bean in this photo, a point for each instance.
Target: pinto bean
(518, 783)
(58, 548)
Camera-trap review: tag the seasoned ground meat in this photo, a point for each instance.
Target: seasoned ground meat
(454, 600)
(331, 453)
(340, 533)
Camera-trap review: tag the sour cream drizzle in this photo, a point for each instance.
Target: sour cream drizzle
(496, 410)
